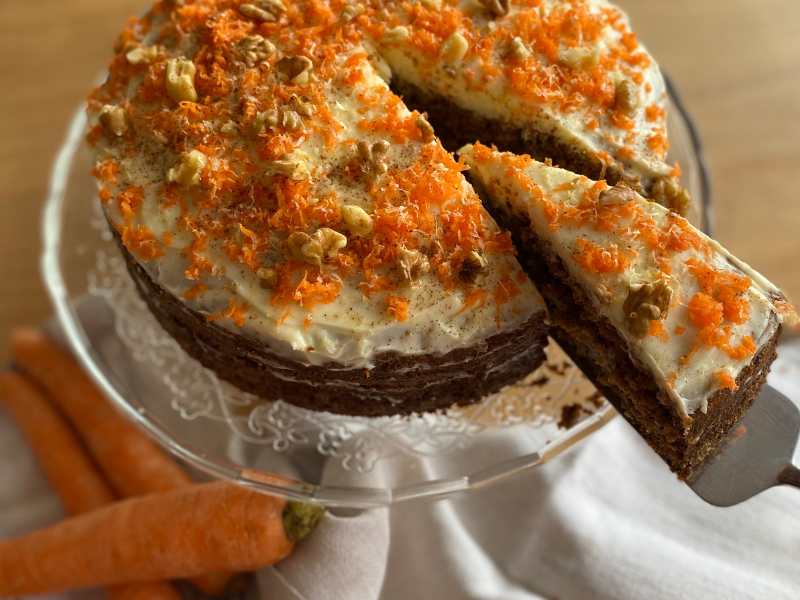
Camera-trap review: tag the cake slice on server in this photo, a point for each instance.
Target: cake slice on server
(677, 333)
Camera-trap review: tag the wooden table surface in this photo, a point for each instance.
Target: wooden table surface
(735, 61)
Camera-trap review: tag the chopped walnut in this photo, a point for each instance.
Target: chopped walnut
(579, 57)
(351, 11)
(293, 168)
(113, 119)
(180, 80)
(496, 8)
(142, 55)
(302, 106)
(518, 50)
(266, 118)
(425, 129)
(305, 248)
(432, 4)
(267, 277)
(263, 10)
(455, 47)
(472, 266)
(189, 170)
(325, 243)
(291, 120)
(413, 264)
(646, 302)
(619, 194)
(397, 35)
(330, 241)
(373, 156)
(296, 69)
(667, 192)
(626, 96)
(356, 219)
(255, 49)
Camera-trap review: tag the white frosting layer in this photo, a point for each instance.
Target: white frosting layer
(484, 88)
(353, 328)
(534, 190)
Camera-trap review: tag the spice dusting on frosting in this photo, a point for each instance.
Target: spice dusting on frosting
(252, 157)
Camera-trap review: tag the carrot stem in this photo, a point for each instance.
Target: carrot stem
(132, 462)
(184, 533)
(69, 470)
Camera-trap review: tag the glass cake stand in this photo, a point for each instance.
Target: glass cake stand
(273, 446)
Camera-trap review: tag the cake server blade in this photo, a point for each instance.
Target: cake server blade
(757, 455)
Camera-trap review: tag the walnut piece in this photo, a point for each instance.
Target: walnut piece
(667, 192)
(374, 156)
(180, 80)
(472, 266)
(325, 243)
(425, 129)
(455, 47)
(396, 35)
(296, 69)
(357, 220)
(496, 8)
(646, 302)
(255, 49)
(413, 264)
(518, 50)
(330, 241)
(617, 195)
(432, 4)
(113, 119)
(189, 170)
(579, 57)
(292, 167)
(351, 11)
(302, 106)
(304, 248)
(263, 10)
(142, 55)
(626, 96)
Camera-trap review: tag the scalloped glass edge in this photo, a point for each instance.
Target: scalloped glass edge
(335, 496)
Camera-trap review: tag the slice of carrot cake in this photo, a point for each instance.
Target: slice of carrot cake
(674, 330)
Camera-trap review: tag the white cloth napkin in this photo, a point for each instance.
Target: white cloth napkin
(606, 520)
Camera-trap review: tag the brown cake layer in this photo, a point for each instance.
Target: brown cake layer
(456, 126)
(397, 384)
(602, 354)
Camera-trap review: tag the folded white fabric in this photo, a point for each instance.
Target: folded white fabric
(607, 520)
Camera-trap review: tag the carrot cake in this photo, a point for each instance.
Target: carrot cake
(292, 224)
(676, 332)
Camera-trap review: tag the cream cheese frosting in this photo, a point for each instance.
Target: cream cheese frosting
(268, 177)
(570, 68)
(703, 315)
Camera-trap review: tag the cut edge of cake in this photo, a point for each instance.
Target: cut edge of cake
(593, 321)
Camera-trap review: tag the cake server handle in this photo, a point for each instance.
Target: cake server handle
(790, 476)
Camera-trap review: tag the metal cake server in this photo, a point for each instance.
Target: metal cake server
(757, 455)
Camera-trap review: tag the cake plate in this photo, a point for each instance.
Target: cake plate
(273, 446)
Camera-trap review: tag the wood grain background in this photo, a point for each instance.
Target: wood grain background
(735, 61)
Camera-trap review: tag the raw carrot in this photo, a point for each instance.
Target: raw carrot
(67, 467)
(200, 529)
(129, 459)
(131, 462)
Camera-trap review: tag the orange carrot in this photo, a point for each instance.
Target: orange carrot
(66, 466)
(129, 459)
(200, 529)
(132, 462)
